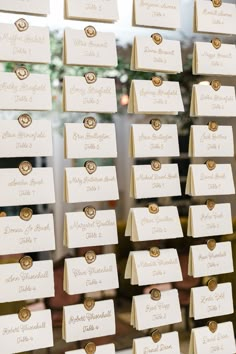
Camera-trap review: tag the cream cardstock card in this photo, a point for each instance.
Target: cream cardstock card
(202, 340)
(82, 142)
(100, 349)
(90, 10)
(34, 140)
(32, 93)
(210, 19)
(20, 236)
(146, 98)
(80, 49)
(30, 46)
(81, 277)
(17, 336)
(205, 101)
(32, 7)
(81, 231)
(204, 262)
(80, 324)
(207, 60)
(143, 269)
(79, 96)
(145, 141)
(204, 142)
(147, 313)
(18, 284)
(142, 225)
(205, 303)
(168, 344)
(35, 188)
(80, 186)
(203, 222)
(202, 181)
(160, 14)
(148, 56)
(147, 183)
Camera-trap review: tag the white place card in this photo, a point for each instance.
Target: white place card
(144, 269)
(205, 101)
(157, 14)
(146, 98)
(20, 236)
(31, 7)
(30, 46)
(210, 19)
(88, 10)
(145, 226)
(208, 60)
(145, 141)
(81, 231)
(17, 336)
(81, 277)
(202, 181)
(203, 222)
(148, 56)
(222, 341)
(147, 313)
(147, 183)
(205, 262)
(80, 49)
(80, 186)
(35, 188)
(79, 96)
(168, 344)
(18, 284)
(205, 303)
(100, 349)
(80, 324)
(204, 142)
(34, 140)
(82, 142)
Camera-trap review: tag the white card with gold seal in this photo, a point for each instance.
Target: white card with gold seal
(167, 343)
(31, 7)
(100, 349)
(26, 331)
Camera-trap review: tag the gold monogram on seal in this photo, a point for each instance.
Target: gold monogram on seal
(22, 73)
(212, 325)
(213, 126)
(156, 336)
(90, 78)
(90, 257)
(26, 214)
(90, 31)
(153, 208)
(25, 120)
(211, 244)
(26, 262)
(154, 252)
(90, 212)
(157, 81)
(155, 165)
(89, 303)
(155, 294)
(157, 38)
(211, 165)
(90, 348)
(217, 3)
(90, 166)
(156, 124)
(22, 25)
(216, 85)
(25, 168)
(24, 314)
(212, 284)
(90, 122)
(216, 42)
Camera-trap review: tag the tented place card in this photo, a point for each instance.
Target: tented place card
(89, 48)
(101, 349)
(153, 223)
(89, 94)
(155, 309)
(90, 140)
(214, 58)
(167, 343)
(156, 54)
(89, 320)
(160, 14)
(211, 140)
(213, 100)
(90, 227)
(25, 137)
(211, 301)
(26, 280)
(211, 259)
(84, 186)
(155, 97)
(90, 273)
(25, 91)
(217, 337)
(153, 267)
(153, 140)
(26, 185)
(210, 179)
(22, 42)
(154, 180)
(210, 220)
(90, 10)
(32, 7)
(26, 233)
(26, 331)
(214, 17)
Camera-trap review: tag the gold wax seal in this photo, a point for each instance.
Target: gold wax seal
(157, 81)
(26, 262)
(211, 244)
(90, 31)
(25, 120)
(212, 326)
(212, 284)
(22, 25)
(217, 3)
(90, 123)
(156, 336)
(216, 42)
(25, 168)
(90, 212)
(21, 72)
(155, 165)
(90, 257)
(157, 38)
(156, 124)
(154, 252)
(210, 204)
(216, 85)
(89, 303)
(155, 294)
(153, 208)
(90, 166)
(24, 314)
(3, 214)
(26, 214)
(213, 126)
(90, 78)
(211, 165)
(90, 348)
